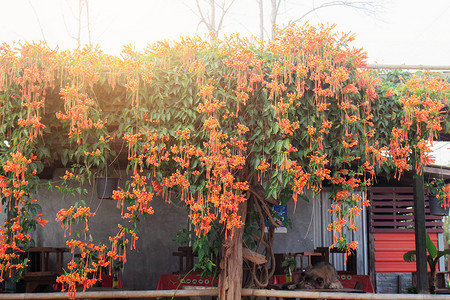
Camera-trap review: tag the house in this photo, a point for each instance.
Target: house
(385, 231)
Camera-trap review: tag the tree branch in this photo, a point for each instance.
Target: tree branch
(87, 20)
(38, 20)
(264, 207)
(202, 17)
(367, 6)
(224, 12)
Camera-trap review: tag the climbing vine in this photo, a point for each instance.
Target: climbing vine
(223, 125)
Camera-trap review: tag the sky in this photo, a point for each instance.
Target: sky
(401, 32)
(411, 32)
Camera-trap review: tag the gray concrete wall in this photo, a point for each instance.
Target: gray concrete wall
(153, 255)
(300, 237)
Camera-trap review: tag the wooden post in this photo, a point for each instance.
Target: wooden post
(372, 274)
(420, 234)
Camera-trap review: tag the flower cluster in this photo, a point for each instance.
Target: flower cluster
(68, 216)
(438, 188)
(15, 236)
(423, 100)
(85, 271)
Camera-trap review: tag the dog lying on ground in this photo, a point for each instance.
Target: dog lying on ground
(322, 275)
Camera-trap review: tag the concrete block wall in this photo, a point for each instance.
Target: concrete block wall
(393, 283)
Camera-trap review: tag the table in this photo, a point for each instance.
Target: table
(173, 282)
(348, 281)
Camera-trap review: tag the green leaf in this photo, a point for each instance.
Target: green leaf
(431, 247)
(274, 173)
(64, 157)
(442, 253)
(409, 256)
(286, 144)
(259, 121)
(278, 146)
(304, 197)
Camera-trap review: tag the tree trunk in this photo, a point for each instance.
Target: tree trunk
(213, 18)
(274, 14)
(261, 20)
(230, 278)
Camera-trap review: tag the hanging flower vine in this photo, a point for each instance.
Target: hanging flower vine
(219, 124)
